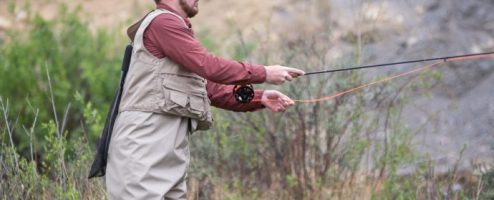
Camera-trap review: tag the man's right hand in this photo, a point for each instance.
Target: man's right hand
(277, 74)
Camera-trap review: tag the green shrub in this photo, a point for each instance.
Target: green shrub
(77, 61)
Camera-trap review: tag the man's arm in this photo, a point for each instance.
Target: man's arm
(168, 35)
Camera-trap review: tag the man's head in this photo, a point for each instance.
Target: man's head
(189, 7)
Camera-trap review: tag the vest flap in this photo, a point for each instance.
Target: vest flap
(197, 103)
(179, 98)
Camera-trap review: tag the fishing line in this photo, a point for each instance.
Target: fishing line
(245, 93)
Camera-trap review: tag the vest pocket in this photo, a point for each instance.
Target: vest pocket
(180, 99)
(182, 104)
(187, 97)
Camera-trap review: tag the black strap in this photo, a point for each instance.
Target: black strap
(98, 168)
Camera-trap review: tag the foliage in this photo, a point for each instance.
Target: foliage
(55, 78)
(66, 51)
(60, 173)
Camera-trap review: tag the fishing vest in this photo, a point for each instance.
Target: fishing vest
(161, 86)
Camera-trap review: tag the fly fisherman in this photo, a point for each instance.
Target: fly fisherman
(171, 84)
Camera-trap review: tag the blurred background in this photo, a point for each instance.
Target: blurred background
(425, 136)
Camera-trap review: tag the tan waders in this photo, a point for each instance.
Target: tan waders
(148, 156)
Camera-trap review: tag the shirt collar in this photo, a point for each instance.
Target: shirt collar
(166, 7)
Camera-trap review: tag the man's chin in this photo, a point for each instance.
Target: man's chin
(193, 14)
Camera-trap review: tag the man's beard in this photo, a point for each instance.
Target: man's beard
(189, 10)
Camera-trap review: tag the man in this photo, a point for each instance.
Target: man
(171, 83)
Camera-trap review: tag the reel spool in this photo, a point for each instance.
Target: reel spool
(243, 93)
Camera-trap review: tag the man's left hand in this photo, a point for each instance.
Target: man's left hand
(276, 101)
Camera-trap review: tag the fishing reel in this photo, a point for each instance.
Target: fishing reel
(243, 93)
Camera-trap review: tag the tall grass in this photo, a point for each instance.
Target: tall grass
(59, 171)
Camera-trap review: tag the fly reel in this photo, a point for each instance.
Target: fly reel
(243, 93)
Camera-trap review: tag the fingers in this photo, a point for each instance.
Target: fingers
(288, 77)
(276, 101)
(295, 72)
(279, 107)
(279, 74)
(285, 99)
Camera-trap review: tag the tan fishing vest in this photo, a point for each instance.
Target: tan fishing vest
(162, 86)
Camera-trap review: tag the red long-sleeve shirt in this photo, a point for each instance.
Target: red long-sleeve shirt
(167, 36)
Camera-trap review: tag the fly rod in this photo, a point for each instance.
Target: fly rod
(397, 63)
